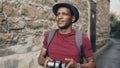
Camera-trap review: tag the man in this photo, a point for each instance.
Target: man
(63, 46)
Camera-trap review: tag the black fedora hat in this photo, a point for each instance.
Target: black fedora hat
(67, 5)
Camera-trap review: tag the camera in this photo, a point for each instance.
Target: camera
(55, 64)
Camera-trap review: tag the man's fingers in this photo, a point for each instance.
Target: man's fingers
(47, 59)
(68, 65)
(70, 61)
(82, 65)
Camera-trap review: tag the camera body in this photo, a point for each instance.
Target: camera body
(55, 64)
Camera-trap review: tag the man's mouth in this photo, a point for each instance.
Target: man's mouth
(61, 21)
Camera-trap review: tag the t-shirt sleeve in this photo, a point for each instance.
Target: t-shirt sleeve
(45, 40)
(87, 46)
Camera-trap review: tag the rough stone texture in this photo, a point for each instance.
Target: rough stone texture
(28, 60)
(23, 24)
(103, 27)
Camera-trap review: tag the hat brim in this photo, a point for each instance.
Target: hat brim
(71, 7)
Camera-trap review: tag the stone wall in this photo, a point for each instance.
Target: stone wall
(23, 24)
(102, 24)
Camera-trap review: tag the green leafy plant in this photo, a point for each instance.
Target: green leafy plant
(115, 26)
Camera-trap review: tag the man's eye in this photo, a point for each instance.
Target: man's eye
(65, 14)
(57, 14)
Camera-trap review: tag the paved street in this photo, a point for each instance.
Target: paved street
(110, 58)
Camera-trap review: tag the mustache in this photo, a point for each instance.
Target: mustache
(61, 20)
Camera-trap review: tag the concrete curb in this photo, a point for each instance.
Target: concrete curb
(102, 49)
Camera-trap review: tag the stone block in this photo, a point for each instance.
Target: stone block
(18, 49)
(37, 40)
(11, 63)
(40, 13)
(2, 64)
(36, 48)
(2, 18)
(51, 16)
(28, 11)
(35, 24)
(15, 12)
(29, 41)
(1, 6)
(50, 2)
(4, 51)
(4, 26)
(8, 38)
(28, 60)
(15, 23)
(43, 13)
(7, 9)
(4, 36)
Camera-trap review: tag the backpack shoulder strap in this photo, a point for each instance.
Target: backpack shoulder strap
(50, 37)
(78, 39)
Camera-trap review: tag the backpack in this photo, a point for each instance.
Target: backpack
(78, 39)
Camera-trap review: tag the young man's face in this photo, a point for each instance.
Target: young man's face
(64, 18)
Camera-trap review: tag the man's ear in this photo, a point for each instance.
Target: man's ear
(73, 18)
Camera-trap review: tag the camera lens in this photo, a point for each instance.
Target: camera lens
(63, 65)
(55, 64)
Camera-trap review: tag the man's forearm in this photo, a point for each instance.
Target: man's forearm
(41, 58)
(89, 65)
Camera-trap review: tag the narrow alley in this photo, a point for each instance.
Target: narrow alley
(110, 58)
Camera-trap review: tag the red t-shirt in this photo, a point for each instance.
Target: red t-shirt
(64, 46)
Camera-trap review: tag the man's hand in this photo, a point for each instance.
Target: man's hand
(71, 63)
(90, 63)
(46, 60)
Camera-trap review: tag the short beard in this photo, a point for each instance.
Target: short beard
(66, 26)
